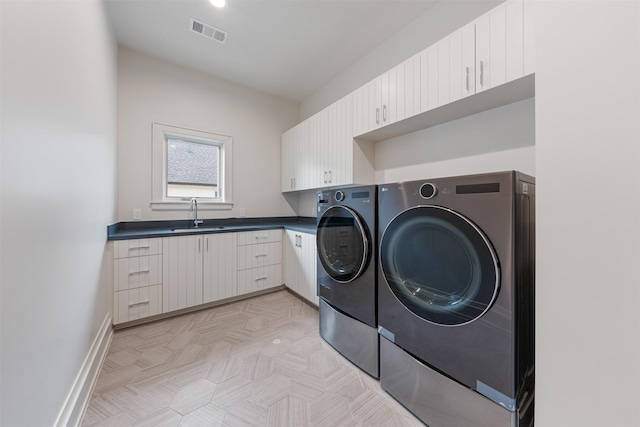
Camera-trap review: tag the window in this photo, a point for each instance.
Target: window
(187, 164)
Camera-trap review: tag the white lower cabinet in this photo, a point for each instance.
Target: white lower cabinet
(220, 266)
(259, 260)
(158, 276)
(260, 278)
(300, 261)
(181, 272)
(134, 304)
(137, 279)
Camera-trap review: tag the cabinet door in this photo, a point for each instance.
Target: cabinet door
(331, 143)
(390, 100)
(529, 46)
(468, 59)
(220, 266)
(339, 169)
(134, 304)
(257, 279)
(308, 261)
(461, 63)
(429, 78)
(491, 49)
(444, 70)
(287, 162)
(259, 255)
(259, 236)
(182, 272)
(136, 272)
(400, 88)
(136, 247)
(291, 266)
(514, 48)
(370, 106)
(356, 113)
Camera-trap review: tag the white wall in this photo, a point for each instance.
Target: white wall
(588, 214)
(491, 141)
(152, 90)
(58, 194)
(439, 21)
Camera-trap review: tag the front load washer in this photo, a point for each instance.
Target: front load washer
(347, 248)
(456, 298)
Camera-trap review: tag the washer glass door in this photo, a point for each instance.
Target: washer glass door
(439, 265)
(343, 244)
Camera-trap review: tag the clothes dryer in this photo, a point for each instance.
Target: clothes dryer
(347, 248)
(456, 298)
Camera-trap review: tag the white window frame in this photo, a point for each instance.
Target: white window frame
(159, 199)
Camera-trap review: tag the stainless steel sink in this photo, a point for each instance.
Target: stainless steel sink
(195, 230)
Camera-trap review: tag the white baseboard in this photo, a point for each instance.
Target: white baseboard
(77, 400)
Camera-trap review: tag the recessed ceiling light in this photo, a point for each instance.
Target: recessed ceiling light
(218, 3)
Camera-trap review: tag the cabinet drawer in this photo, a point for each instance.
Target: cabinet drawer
(263, 236)
(136, 272)
(252, 256)
(137, 247)
(136, 304)
(256, 279)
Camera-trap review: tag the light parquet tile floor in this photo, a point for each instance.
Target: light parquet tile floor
(257, 362)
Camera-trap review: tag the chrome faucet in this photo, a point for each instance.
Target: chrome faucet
(194, 208)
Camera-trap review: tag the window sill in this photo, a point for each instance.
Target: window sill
(185, 205)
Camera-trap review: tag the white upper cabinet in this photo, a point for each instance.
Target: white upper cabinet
(500, 39)
(287, 161)
(514, 30)
(493, 50)
(529, 44)
(429, 78)
(462, 45)
(401, 92)
(325, 153)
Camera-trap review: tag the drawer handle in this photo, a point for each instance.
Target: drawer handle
(261, 278)
(133, 248)
(259, 255)
(131, 273)
(262, 237)
(467, 78)
(139, 303)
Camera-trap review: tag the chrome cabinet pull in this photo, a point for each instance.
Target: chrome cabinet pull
(260, 255)
(481, 73)
(261, 278)
(131, 273)
(384, 113)
(377, 115)
(138, 303)
(467, 78)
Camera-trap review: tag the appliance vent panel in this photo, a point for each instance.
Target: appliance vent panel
(208, 31)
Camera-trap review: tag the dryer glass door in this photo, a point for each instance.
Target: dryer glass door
(343, 244)
(439, 265)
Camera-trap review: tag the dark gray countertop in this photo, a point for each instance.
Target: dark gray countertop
(149, 229)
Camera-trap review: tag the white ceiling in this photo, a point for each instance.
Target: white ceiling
(288, 48)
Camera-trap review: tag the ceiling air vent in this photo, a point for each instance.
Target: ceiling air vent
(208, 31)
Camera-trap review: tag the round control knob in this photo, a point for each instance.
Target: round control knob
(428, 190)
(339, 196)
